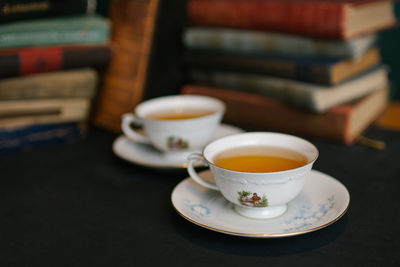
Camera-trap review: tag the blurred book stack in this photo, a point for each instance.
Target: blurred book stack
(51, 56)
(308, 67)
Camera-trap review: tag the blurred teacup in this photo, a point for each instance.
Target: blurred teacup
(176, 122)
(259, 172)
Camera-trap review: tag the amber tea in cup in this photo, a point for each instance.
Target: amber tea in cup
(259, 159)
(179, 114)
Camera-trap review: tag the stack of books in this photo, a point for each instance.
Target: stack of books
(51, 56)
(307, 67)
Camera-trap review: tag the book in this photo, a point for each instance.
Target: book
(14, 10)
(19, 113)
(38, 59)
(34, 136)
(307, 69)
(125, 80)
(260, 42)
(335, 19)
(390, 119)
(343, 123)
(77, 83)
(55, 31)
(316, 98)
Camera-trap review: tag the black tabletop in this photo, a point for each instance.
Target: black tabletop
(80, 205)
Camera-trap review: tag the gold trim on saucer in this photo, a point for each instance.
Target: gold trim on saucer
(341, 210)
(264, 235)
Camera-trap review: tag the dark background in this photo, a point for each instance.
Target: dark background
(390, 51)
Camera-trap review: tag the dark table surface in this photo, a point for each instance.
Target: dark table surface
(80, 205)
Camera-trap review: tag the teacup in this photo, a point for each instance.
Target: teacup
(256, 193)
(175, 123)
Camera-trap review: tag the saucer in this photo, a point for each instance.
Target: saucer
(323, 201)
(148, 156)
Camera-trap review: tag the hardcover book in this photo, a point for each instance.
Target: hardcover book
(260, 42)
(125, 80)
(316, 98)
(336, 19)
(55, 31)
(343, 123)
(21, 113)
(77, 83)
(307, 69)
(390, 119)
(28, 60)
(13, 10)
(34, 136)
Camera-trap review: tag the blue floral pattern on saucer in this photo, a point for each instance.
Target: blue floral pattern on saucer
(199, 210)
(308, 218)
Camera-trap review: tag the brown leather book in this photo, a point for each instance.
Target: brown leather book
(343, 123)
(133, 23)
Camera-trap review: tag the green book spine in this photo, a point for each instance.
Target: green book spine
(259, 42)
(55, 31)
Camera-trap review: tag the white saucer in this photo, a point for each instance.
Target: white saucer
(323, 201)
(148, 156)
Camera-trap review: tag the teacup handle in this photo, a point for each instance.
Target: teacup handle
(199, 159)
(127, 120)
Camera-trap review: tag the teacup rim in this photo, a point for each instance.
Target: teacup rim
(221, 108)
(311, 162)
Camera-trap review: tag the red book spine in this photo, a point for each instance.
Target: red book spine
(44, 60)
(317, 19)
(23, 61)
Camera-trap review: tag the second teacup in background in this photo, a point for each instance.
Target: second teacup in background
(175, 123)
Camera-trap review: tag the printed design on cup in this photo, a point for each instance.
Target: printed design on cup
(177, 143)
(250, 199)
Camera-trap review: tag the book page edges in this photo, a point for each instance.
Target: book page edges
(364, 113)
(324, 99)
(368, 17)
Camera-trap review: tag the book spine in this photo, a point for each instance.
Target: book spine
(11, 10)
(47, 59)
(125, 80)
(55, 31)
(29, 112)
(282, 89)
(80, 83)
(33, 136)
(306, 69)
(296, 69)
(316, 98)
(297, 17)
(251, 42)
(251, 111)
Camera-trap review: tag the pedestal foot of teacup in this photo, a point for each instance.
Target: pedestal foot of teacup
(261, 213)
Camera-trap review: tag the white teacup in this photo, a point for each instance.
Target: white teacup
(201, 116)
(271, 191)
